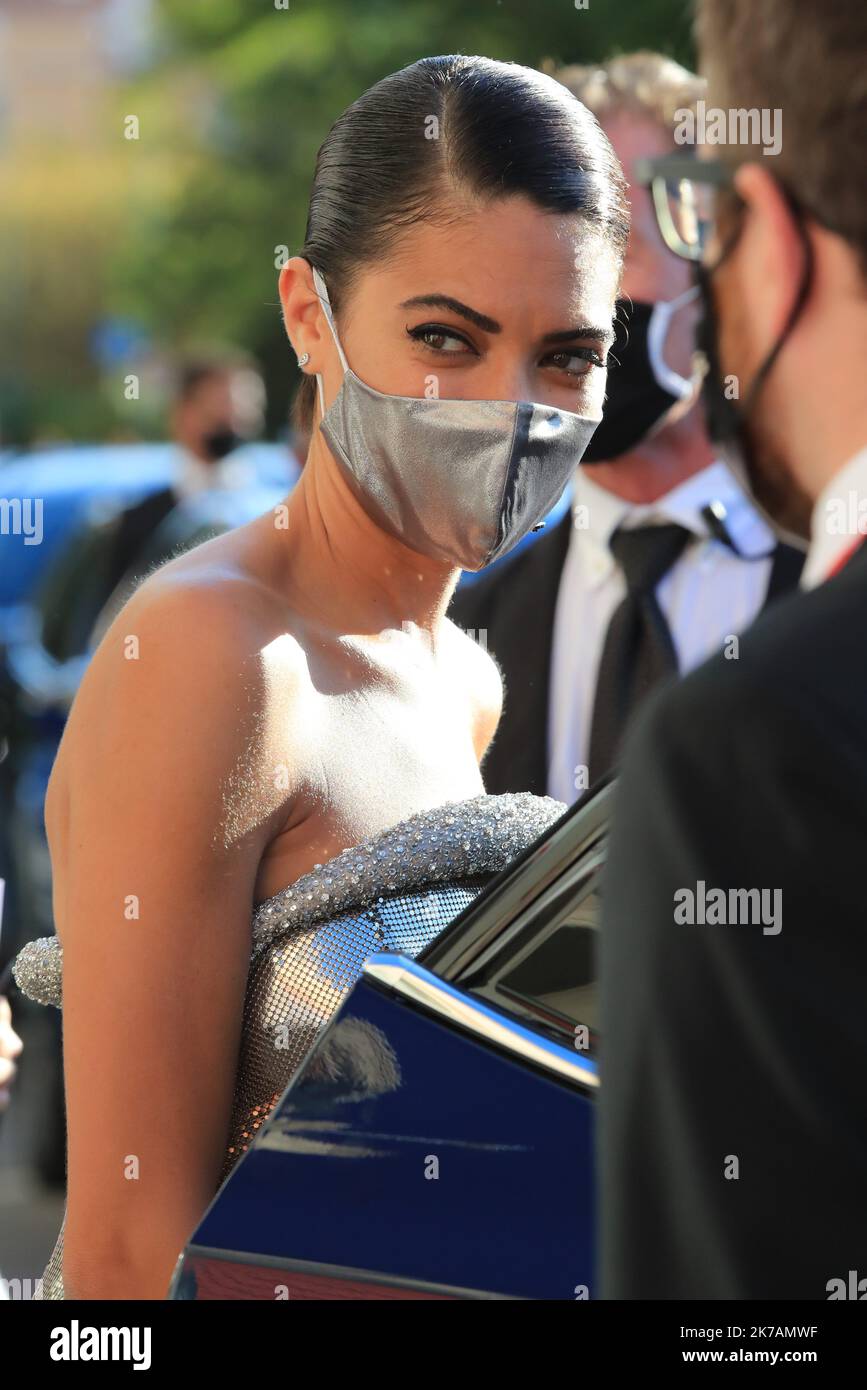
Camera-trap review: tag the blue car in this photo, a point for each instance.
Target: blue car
(437, 1139)
(73, 483)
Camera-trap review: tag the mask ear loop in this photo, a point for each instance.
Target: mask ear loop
(657, 332)
(686, 389)
(797, 305)
(725, 419)
(322, 293)
(705, 273)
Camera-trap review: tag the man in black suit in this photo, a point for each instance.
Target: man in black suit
(733, 1150)
(660, 558)
(218, 405)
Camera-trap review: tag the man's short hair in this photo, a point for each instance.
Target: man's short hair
(643, 84)
(808, 61)
(192, 372)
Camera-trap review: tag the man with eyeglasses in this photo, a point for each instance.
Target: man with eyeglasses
(660, 558)
(733, 1120)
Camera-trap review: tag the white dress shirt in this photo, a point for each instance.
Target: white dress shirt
(191, 475)
(839, 520)
(709, 595)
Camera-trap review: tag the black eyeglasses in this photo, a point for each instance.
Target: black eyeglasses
(683, 190)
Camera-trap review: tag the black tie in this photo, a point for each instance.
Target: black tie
(638, 649)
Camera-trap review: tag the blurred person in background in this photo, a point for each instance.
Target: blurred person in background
(662, 557)
(286, 690)
(733, 946)
(218, 405)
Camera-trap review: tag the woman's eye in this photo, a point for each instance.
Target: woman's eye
(576, 362)
(438, 338)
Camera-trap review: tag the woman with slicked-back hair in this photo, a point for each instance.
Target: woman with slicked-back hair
(293, 688)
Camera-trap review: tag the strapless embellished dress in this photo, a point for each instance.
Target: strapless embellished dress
(393, 892)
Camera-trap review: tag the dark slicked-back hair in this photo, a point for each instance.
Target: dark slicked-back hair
(422, 140)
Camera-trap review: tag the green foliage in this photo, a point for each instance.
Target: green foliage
(232, 115)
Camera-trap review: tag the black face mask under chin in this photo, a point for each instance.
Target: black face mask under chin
(642, 390)
(219, 443)
(727, 420)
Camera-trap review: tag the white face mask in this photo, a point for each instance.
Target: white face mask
(644, 393)
(461, 481)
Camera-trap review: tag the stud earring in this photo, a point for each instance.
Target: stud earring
(304, 359)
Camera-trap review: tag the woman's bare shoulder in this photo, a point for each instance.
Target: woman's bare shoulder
(219, 580)
(483, 679)
(189, 661)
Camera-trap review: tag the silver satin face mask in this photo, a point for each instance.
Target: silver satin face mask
(461, 481)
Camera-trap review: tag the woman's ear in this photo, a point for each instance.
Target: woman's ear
(302, 313)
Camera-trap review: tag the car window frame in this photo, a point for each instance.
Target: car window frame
(506, 907)
(546, 919)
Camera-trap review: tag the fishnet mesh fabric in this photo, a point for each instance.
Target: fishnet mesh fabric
(295, 986)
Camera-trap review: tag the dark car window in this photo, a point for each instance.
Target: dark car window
(547, 976)
(556, 974)
(528, 943)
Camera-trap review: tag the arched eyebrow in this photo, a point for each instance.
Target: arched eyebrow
(584, 330)
(445, 301)
(489, 325)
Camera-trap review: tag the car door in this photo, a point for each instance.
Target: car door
(438, 1140)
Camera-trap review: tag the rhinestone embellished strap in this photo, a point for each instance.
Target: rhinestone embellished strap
(456, 840)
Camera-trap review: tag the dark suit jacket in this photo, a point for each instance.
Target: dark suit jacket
(728, 1047)
(136, 525)
(515, 605)
(83, 578)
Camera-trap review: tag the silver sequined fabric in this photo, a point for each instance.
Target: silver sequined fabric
(393, 892)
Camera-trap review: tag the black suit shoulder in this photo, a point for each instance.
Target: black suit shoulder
(803, 658)
(720, 1175)
(510, 611)
(491, 597)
